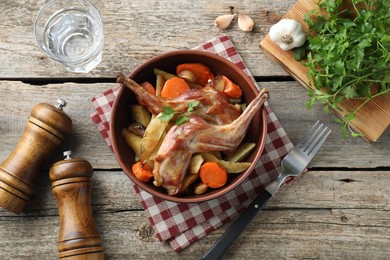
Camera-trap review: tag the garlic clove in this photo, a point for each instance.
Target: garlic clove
(285, 46)
(245, 22)
(223, 21)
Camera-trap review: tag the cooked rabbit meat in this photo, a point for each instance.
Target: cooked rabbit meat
(194, 136)
(214, 107)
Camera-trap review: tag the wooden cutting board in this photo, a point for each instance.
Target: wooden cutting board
(371, 120)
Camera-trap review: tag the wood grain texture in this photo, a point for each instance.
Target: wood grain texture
(338, 210)
(136, 31)
(78, 236)
(44, 131)
(371, 120)
(315, 189)
(320, 215)
(85, 141)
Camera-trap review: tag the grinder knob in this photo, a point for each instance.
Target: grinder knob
(78, 236)
(61, 104)
(44, 131)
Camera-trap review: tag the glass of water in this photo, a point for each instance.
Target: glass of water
(71, 32)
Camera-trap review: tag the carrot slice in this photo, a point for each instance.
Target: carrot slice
(231, 89)
(201, 73)
(174, 87)
(149, 88)
(212, 174)
(143, 172)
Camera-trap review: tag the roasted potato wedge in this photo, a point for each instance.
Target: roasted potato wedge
(160, 81)
(195, 163)
(153, 134)
(200, 188)
(164, 74)
(189, 180)
(241, 152)
(231, 167)
(217, 154)
(133, 140)
(153, 155)
(140, 114)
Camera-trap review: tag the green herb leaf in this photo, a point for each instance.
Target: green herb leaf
(300, 52)
(349, 117)
(192, 105)
(167, 114)
(347, 52)
(168, 110)
(343, 127)
(349, 92)
(354, 134)
(181, 119)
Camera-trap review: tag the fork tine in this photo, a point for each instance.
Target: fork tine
(311, 140)
(308, 134)
(311, 152)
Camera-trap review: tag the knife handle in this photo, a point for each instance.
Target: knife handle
(229, 237)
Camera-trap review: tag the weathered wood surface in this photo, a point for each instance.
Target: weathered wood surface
(287, 101)
(338, 210)
(325, 214)
(136, 31)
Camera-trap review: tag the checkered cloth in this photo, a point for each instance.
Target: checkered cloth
(182, 224)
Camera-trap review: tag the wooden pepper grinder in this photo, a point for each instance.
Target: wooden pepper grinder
(78, 236)
(44, 131)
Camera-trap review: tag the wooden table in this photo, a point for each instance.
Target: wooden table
(338, 210)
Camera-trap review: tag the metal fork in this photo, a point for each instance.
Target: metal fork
(293, 164)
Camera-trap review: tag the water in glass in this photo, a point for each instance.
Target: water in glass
(72, 36)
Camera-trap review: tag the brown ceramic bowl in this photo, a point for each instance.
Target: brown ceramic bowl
(120, 117)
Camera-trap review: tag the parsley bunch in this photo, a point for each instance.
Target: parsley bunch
(348, 53)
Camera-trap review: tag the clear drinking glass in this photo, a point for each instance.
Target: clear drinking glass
(71, 32)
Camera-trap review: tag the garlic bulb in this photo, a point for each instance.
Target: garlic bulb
(223, 21)
(245, 22)
(288, 34)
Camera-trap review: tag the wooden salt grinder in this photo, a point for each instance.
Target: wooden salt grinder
(44, 131)
(78, 236)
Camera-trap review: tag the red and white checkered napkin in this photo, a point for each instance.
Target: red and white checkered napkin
(182, 224)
